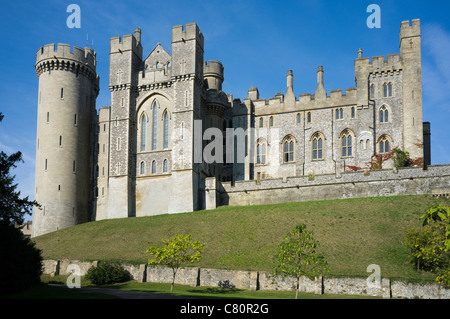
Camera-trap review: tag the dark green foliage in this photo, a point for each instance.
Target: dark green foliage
(401, 158)
(107, 273)
(430, 246)
(20, 260)
(12, 207)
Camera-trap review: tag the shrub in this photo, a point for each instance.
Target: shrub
(401, 158)
(107, 273)
(21, 261)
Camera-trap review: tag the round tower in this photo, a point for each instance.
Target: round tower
(68, 88)
(213, 75)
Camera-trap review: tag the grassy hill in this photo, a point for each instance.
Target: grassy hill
(352, 233)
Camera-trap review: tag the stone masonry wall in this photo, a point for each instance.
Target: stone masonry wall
(254, 280)
(406, 181)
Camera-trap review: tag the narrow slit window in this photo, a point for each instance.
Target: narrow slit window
(166, 131)
(62, 93)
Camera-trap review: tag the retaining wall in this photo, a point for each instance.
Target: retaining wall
(254, 280)
(435, 180)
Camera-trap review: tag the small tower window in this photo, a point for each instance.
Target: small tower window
(387, 89)
(46, 162)
(299, 118)
(75, 119)
(271, 121)
(339, 114)
(142, 172)
(384, 114)
(153, 167)
(353, 111)
(309, 117)
(62, 93)
(165, 166)
(74, 166)
(372, 91)
(48, 117)
(60, 141)
(384, 145)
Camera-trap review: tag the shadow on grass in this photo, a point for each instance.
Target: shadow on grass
(215, 290)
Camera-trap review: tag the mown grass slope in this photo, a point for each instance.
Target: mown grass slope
(352, 233)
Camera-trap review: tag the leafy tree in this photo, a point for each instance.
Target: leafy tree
(12, 206)
(430, 246)
(297, 256)
(177, 250)
(20, 260)
(20, 264)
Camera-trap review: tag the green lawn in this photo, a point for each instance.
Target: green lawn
(353, 234)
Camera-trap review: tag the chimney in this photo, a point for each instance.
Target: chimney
(137, 34)
(320, 92)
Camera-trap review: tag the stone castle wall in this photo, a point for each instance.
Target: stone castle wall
(255, 280)
(405, 181)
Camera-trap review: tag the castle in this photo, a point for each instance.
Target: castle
(161, 145)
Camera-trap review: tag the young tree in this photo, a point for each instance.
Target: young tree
(430, 246)
(297, 256)
(177, 250)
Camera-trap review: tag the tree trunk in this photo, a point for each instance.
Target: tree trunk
(298, 286)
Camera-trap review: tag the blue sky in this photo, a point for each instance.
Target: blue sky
(257, 41)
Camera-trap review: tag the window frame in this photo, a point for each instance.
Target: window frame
(317, 149)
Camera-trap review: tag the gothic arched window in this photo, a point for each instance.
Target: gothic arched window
(261, 152)
(317, 146)
(155, 125)
(153, 167)
(143, 131)
(384, 145)
(142, 170)
(288, 149)
(384, 114)
(347, 143)
(166, 130)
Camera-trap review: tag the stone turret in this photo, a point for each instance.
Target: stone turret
(410, 54)
(68, 88)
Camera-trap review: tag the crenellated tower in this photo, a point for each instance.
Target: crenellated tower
(411, 57)
(68, 88)
(187, 79)
(125, 58)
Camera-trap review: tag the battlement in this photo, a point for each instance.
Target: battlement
(379, 64)
(408, 29)
(213, 68)
(85, 56)
(127, 42)
(191, 32)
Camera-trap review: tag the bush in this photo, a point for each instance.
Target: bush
(401, 158)
(107, 273)
(21, 261)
